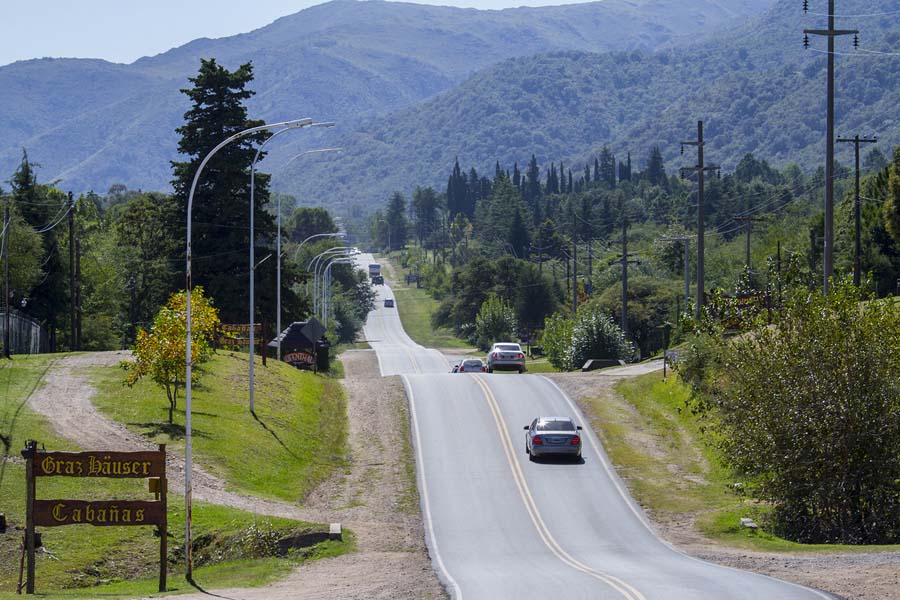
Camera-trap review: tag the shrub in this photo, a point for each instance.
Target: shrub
(495, 322)
(810, 409)
(595, 335)
(557, 340)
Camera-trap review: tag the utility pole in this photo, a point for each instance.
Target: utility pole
(829, 33)
(700, 169)
(7, 318)
(574, 263)
(78, 313)
(71, 272)
(857, 251)
(625, 260)
(749, 227)
(686, 240)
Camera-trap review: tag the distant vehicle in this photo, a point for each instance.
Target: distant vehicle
(378, 280)
(552, 436)
(506, 356)
(374, 270)
(471, 365)
(455, 367)
(389, 303)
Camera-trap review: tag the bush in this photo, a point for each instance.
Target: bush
(810, 410)
(568, 343)
(495, 322)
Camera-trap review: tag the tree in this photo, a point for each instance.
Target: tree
(25, 250)
(656, 171)
(43, 208)
(160, 353)
(424, 205)
(307, 221)
(396, 221)
(221, 207)
(808, 411)
(569, 342)
(892, 202)
(608, 167)
(147, 244)
(495, 322)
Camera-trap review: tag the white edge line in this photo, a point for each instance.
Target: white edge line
(639, 513)
(430, 539)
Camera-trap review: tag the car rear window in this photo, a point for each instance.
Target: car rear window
(509, 347)
(473, 362)
(555, 426)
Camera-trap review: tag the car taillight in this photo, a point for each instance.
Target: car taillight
(519, 355)
(483, 370)
(575, 440)
(494, 355)
(537, 440)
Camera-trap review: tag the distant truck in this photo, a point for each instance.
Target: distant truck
(374, 270)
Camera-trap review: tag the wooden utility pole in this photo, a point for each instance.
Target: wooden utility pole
(700, 169)
(749, 221)
(686, 240)
(71, 273)
(625, 260)
(829, 33)
(857, 249)
(77, 294)
(7, 318)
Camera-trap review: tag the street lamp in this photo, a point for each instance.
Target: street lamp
(315, 261)
(278, 243)
(296, 124)
(326, 275)
(253, 247)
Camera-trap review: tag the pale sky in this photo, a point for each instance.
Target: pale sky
(125, 30)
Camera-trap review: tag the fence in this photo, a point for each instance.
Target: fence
(26, 335)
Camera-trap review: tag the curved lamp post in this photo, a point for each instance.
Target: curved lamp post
(326, 276)
(315, 261)
(296, 124)
(253, 247)
(278, 243)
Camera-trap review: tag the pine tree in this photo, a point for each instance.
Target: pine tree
(587, 176)
(597, 177)
(221, 204)
(656, 172)
(396, 221)
(608, 167)
(517, 177)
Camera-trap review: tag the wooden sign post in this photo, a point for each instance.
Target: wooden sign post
(100, 513)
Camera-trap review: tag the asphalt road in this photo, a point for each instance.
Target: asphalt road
(500, 526)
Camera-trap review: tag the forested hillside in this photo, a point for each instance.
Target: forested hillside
(756, 88)
(346, 61)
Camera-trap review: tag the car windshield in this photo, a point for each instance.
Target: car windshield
(509, 347)
(474, 362)
(555, 426)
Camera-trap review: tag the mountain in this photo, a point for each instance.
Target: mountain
(91, 123)
(755, 87)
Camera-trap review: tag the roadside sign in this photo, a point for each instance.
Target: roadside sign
(313, 330)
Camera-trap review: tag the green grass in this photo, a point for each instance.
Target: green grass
(539, 365)
(415, 306)
(658, 447)
(122, 561)
(294, 442)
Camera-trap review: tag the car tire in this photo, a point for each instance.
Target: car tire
(522, 370)
(527, 451)
(532, 457)
(490, 369)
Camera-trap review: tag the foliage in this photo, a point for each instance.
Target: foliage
(221, 203)
(595, 335)
(160, 354)
(556, 340)
(809, 409)
(307, 221)
(495, 322)
(651, 303)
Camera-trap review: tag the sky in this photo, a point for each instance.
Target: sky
(124, 30)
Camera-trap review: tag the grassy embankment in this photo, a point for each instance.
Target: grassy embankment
(671, 469)
(234, 547)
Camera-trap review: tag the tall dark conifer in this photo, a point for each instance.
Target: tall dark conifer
(221, 205)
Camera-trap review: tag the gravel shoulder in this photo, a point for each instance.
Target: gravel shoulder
(855, 576)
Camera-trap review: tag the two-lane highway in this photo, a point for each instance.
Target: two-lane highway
(500, 526)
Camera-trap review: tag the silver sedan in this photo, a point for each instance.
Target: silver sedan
(552, 436)
(506, 356)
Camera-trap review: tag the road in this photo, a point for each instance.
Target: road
(499, 526)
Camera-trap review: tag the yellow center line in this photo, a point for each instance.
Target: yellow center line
(620, 586)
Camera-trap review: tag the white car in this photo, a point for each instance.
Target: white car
(506, 356)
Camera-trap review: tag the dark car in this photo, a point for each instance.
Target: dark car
(556, 436)
(389, 303)
(471, 365)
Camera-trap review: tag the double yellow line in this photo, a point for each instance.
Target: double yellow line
(629, 592)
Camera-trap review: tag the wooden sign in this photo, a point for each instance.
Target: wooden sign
(100, 464)
(99, 513)
(300, 358)
(52, 513)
